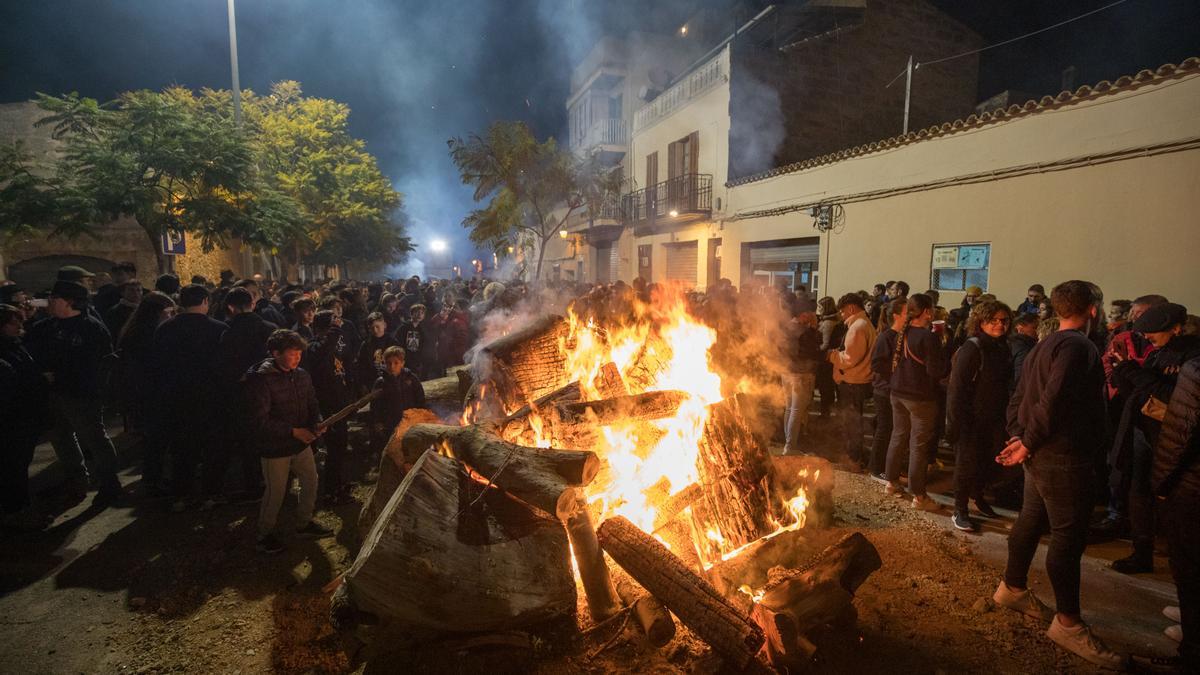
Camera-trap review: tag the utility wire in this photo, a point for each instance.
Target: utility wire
(1006, 42)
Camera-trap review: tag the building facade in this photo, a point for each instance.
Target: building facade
(1101, 182)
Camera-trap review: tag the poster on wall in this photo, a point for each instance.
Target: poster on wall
(972, 257)
(945, 257)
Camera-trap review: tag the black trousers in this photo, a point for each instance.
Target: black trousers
(826, 386)
(1183, 533)
(1141, 496)
(1058, 496)
(883, 431)
(337, 439)
(14, 470)
(975, 459)
(852, 400)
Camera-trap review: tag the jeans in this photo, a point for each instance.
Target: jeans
(276, 471)
(79, 429)
(1058, 494)
(852, 399)
(1183, 534)
(912, 426)
(798, 388)
(883, 432)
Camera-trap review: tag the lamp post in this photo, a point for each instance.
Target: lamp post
(233, 61)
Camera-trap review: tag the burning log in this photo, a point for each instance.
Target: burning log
(392, 466)
(542, 477)
(697, 604)
(815, 475)
(749, 568)
(798, 602)
(527, 363)
(597, 586)
(653, 618)
(651, 405)
(735, 474)
(449, 553)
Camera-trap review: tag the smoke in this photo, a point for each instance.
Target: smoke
(757, 126)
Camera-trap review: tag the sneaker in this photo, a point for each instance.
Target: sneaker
(1080, 641)
(879, 478)
(1135, 563)
(985, 509)
(924, 503)
(1172, 613)
(1174, 632)
(1024, 602)
(268, 544)
(893, 489)
(314, 530)
(962, 522)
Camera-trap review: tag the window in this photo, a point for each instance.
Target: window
(958, 266)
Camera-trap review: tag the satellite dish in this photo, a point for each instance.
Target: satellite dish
(659, 77)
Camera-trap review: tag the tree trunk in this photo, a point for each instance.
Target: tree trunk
(542, 477)
(447, 553)
(653, 618)
(392, 467)
(735, 476)
(697, 604)
(154, 235)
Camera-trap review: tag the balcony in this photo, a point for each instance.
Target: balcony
(609, 137)
(681, 199)
(694, 84)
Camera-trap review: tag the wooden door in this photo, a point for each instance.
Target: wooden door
(651, 183)
(644, 270)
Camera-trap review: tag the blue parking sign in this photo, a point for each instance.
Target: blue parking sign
(173, 243)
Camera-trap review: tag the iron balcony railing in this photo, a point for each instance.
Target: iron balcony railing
(686, 194)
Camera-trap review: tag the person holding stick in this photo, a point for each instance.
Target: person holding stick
(287, 417)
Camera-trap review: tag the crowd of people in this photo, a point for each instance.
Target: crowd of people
(240, 376)
(1087, 407)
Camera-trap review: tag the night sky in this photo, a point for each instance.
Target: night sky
(416, 72)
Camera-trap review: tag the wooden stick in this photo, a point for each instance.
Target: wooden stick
(347, 411)
(597, 585)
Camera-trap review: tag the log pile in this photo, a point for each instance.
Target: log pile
(472, 528)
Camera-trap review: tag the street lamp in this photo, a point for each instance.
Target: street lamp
(437, 246)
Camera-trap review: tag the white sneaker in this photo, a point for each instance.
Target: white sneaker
(1024, 602)
(1172, 613)
(1080, 641)
(1174, 632)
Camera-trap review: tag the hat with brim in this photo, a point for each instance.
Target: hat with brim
(1161, 318)
(73, 273)
(69, 290)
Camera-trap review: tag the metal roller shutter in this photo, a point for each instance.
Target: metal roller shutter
(785, 254)
(614, 262)
(682, 262)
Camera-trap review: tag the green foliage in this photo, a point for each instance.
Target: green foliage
(291, 178)
(531, 188)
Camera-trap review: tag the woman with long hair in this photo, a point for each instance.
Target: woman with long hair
(976, 404)
(918, 363)
(133, 347)
(831, 329)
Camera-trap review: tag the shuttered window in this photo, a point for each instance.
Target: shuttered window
(682, 262)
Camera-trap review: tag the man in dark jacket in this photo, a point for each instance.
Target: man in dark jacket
(325, 360)
(183, 360)
(108, 295)
(24, 402)
(1056, 423)
(242, 346)
(69, 347)
(1020, 342)
(1176, 479)
(1145, 388)
(118, 313)
(286, 416)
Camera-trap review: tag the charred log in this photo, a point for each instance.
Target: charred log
(652, 617)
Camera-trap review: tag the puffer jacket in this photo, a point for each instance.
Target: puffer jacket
(1177, 455)
(279, 402)
(978, 391)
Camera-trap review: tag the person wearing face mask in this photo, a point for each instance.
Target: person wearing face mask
(1146, 389)
(976, 401)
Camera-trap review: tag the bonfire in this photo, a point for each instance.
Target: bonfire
(489, 523)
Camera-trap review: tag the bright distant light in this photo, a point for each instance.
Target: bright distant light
(437, 245)
(683, 29)
(673, 213)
